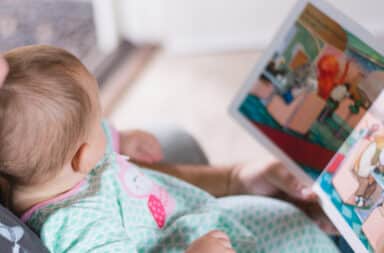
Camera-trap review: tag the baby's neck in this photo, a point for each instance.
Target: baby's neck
(23, 197)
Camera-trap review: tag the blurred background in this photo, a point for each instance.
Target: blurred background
(168, 62)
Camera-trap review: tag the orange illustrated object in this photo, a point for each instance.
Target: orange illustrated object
(328, 71)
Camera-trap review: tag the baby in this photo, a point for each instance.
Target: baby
(69, 183)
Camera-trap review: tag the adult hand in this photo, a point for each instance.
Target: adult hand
(269, 180)
(316, 213)
(277, 181)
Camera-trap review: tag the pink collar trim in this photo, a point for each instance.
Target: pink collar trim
(27, 214)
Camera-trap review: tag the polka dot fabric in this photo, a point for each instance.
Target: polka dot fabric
(102, 217)
(157, 210)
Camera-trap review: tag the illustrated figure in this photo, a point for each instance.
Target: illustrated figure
(371, 159)
(328, 72)
(12, 234)
(337, 94)
(298, 81)
(274, 68)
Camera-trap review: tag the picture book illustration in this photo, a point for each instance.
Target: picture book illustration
(353, 182)
(318, 84)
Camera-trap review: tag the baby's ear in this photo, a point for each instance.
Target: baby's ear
(82, 161)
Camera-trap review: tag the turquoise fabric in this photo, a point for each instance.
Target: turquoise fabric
(125, 208)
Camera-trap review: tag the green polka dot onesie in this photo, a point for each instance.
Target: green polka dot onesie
(121, 207)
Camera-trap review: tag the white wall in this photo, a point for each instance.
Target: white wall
(107, 31)
(206, 25)
(141, 20)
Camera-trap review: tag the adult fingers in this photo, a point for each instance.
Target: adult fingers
(283, 179)
(328, 227)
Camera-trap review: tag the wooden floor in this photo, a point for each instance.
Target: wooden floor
(192, 92)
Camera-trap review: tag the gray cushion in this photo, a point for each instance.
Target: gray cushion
(15, 237)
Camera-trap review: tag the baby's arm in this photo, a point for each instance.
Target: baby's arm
(213, 242)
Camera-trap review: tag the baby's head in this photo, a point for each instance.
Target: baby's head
(49, 116)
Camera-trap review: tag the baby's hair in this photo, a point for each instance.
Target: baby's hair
(45, 111)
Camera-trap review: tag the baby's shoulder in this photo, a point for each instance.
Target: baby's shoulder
(93, 198)
(77, 213)
(76, 226)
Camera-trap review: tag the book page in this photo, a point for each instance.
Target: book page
(311, 89)
(352, 184)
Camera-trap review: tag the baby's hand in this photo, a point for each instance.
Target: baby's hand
(213, 242)
(140, 146)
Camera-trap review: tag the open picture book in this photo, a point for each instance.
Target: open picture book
(314, 100)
